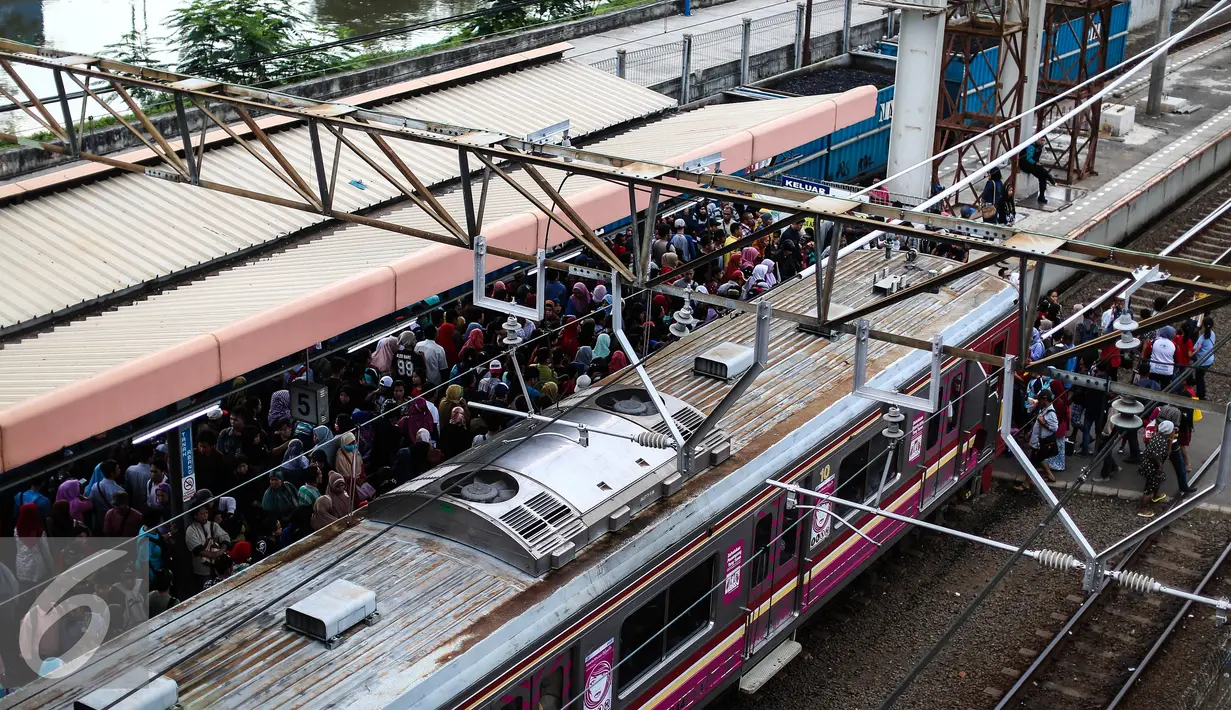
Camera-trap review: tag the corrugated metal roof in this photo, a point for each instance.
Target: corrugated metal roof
(90, 241)
(80, 349)
(436, 594)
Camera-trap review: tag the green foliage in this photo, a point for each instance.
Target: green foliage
(511, 15)
(217, 32)
(136, 47)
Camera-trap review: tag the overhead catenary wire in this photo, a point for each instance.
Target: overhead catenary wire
(539, 333)
(1003, 125)
(1008, 565)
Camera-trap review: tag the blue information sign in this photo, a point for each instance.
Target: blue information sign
(188, 473)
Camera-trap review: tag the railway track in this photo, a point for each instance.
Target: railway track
(1096, 656)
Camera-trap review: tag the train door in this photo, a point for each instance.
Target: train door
(951, 426)
(933, 445)
(773, 568)
(551, 683)
(993, 393)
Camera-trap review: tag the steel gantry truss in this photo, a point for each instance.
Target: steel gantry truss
(373, 135)
(984, 50)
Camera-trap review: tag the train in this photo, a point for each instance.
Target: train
(572, 564)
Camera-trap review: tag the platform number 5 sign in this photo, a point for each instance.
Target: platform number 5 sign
(310, 403)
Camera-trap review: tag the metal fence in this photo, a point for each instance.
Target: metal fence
(678, 61)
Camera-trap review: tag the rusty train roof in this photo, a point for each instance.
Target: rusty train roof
(445, 607)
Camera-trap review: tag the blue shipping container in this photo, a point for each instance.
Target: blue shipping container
(848, 154)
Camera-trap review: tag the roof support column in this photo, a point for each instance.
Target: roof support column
(917, 89)
(1036, 20)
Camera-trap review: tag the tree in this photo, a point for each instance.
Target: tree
(136, 47)
(505, 15)
(220, 32)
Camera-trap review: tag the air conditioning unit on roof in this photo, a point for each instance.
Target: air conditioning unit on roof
(725, 361)
(332, 611)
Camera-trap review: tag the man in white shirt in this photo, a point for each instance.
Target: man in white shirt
(1113, 312)
(1162, 356)
(434, 359)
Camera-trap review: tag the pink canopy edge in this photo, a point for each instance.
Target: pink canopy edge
(44, 424)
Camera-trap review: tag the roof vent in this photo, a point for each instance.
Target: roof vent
(483, 486)
(726, 361)
(156, 693)
(330, 612)
(630, 401)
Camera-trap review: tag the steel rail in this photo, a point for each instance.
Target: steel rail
(1162, 638)
(1066, 631)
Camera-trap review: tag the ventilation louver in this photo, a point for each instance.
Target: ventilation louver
(330, 612)
(725, 361)
(687, 420)
(543, 522)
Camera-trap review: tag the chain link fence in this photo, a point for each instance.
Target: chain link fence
(654, 66)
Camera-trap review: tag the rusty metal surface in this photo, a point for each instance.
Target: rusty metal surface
(428, 593)
(806, 370)
(435, 597)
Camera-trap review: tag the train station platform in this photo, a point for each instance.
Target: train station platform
(1142, 177)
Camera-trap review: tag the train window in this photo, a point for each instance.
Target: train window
(852, 477)
(665, 623)
(998, 348)
(790, 535)
(934, 421)
(551, 690)
(762, 535)
(514, 704)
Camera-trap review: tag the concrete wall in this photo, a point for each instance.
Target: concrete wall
(1130, 215)
(21, 160)
(717, 79)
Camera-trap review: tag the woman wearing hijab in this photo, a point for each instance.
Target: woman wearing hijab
(323, 441)
(757, 283)
(454, 434)
(323, 514)
(601, 299)
(1036, 344)
(294, 462)
(279, 406)
(619, 361)
(418, 417)
(444, 338)
(549, 394)
(348, 463)
(33, 554)
(454, 397)
(579, 303)
(769, 272)
(78, 505)
(475, 340)
(1060, 401)
(406, 341)
(585, 355)
(749, 257)
(602, 346)
(238, 398)
(280, 498)
(382, 358)
(339, 495)
(1153, 457)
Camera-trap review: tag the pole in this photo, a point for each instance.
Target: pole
(847, 8)
(800, 14)
(685, 68)
(807, 33)
(622, 63)
(745, 49)
(1158, 70)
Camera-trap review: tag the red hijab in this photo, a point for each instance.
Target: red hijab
(570, 338)
(618, 361)
(28, 527)
(444, 338)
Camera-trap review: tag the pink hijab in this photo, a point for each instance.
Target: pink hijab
(749, 257)
(382, 359)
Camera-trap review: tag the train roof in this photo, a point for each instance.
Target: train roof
(448, 606)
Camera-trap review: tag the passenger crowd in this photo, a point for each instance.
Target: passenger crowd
(1058, 420)
(398, 407)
